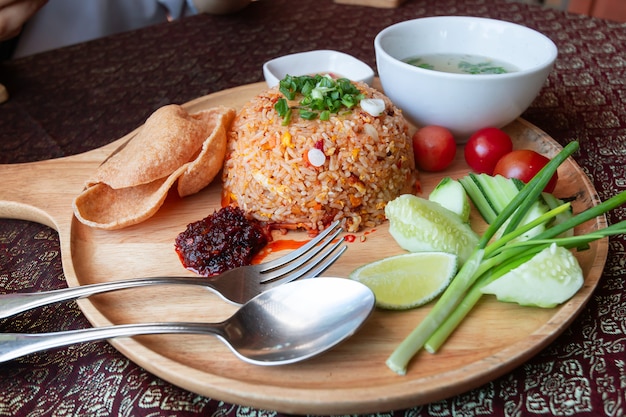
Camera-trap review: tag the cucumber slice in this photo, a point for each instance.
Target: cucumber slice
(451, 195)
(491, 194)
(476, 194)
(420, 225)
(548, 279)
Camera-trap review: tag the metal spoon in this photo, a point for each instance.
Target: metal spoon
(286, 324)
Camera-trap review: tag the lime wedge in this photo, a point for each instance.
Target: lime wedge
(409, 280)
(548, 279)
(420, 225)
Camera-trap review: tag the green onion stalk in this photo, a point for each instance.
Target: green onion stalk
(491, 260)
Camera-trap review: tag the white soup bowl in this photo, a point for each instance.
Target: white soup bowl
(462, 103)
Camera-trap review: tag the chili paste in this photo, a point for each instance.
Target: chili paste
(223, 240)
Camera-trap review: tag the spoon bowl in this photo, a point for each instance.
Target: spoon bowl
(286, 324)
(296, 322)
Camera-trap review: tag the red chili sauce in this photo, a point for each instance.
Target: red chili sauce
(224, 240)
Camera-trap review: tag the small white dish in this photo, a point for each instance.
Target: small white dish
(317, 62)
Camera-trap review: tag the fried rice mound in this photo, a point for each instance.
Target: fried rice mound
(269, 172)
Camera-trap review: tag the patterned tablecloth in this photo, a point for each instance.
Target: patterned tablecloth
(82, 97)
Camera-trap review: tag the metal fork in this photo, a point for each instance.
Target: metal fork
(237, 285)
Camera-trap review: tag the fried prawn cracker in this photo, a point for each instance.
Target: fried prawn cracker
(203, 169)
(169, 138)
(102, 205)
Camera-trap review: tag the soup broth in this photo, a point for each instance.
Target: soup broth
(461, 64)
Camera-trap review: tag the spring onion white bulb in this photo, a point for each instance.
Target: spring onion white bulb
(373, 106)
(316, 157)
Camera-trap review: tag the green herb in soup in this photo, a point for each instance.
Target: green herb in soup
(461, 64)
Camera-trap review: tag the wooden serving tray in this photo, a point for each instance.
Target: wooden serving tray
(353, 377)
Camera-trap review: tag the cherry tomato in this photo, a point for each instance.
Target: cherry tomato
(434, 148)
(485, 147)
(524, 164)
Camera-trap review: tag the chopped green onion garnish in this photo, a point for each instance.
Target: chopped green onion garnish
(321, 96)
(281, 107)
(308, 115)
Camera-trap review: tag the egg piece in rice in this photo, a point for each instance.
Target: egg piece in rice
(308, 173)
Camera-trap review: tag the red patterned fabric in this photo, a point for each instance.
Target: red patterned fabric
(82, 97)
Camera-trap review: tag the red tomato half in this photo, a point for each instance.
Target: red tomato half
(485, 147)
(524, 164)
(434, 148)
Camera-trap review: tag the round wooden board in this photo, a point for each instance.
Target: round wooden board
(351, 378)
